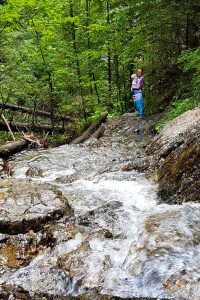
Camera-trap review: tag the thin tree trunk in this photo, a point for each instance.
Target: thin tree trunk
(78, 69)
(116, 60)
(109, 54)
(33, 115)
(124, 89)
(91, 74)
(8, 126)
(87, 8)
(95, 87)
(187, 31)
(50, 82)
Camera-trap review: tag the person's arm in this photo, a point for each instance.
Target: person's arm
(141, 84)
(133, 86)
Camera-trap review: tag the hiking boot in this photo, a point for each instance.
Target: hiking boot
(134, 114)
(140, 119)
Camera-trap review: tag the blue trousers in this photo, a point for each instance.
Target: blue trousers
(139, 104)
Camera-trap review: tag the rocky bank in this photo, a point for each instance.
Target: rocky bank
(177, 159)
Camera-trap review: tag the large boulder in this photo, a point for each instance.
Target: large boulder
(177, 152)
(27, 205)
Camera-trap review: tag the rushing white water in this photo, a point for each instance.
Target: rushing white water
(120, 241)
(149, 250)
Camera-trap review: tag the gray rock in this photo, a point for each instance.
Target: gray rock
(27, 205)
(177, 159)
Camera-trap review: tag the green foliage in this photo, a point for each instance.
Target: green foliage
(6, 137)
(190, 61)
(75, 57)
(176, 109)
(59, 139)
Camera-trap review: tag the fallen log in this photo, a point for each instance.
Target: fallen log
(31, 111)
(99, 132)
(15, 126)
(88, 133)
(12, 148)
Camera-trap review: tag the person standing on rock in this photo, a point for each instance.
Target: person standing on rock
(136, 89)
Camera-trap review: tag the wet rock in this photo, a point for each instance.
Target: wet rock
(179, 174)
(92, 142)
(41, 276)
(34, 172)
(26, 205)
(132, 145)
(67, 179)
(140, 164)
(3, 237)
(100, 217)
(177, 159)
(19, 250)
(158, 259)
(52, 274)
(8, 293)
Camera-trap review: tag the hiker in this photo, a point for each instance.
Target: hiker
(136, 89)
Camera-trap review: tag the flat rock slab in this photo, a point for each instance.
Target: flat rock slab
(26, 205)
(173, 134)
(177, 160)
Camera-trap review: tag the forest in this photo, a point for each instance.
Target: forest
(74, 59)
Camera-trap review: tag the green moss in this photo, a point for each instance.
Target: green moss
(176, 166)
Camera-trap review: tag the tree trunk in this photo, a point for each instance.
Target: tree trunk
(8, 126)
(91, 73)
(88, 133)
(34, 112)
(109, 56)
(87, 11)
(125, 89)
(95, 87)
(12, 148)
(16, 127)
(49, 74)
(116, 60)
(99, 132)
(78, 69)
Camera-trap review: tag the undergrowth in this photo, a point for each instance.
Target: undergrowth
(176, 109)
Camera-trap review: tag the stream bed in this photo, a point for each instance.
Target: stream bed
(86, 223)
